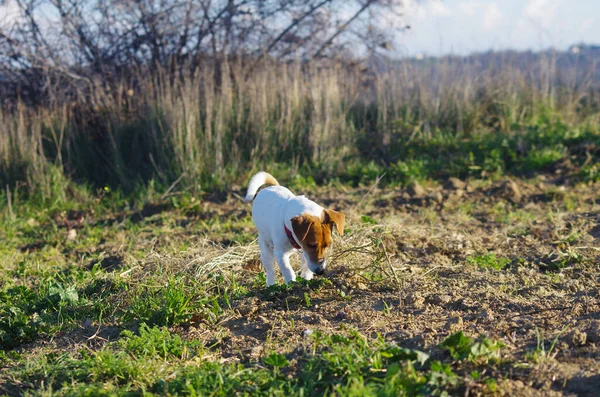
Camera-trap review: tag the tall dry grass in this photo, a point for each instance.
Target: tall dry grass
(210, 127)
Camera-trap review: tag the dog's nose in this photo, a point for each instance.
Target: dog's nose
(320, 271)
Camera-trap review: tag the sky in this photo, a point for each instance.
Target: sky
(460, 27)
(464, 26)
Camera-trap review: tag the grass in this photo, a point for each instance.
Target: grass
(154, 360)
(170, 301)
(489, 261)
(129, 264)
(326, 124)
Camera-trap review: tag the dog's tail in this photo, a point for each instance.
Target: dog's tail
(257, 181)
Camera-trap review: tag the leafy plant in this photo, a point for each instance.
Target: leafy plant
(166, 306)
(489, 261)
(462, 347)
(152, 342)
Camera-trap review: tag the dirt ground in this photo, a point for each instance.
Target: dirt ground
(408, 270)
(513, 260)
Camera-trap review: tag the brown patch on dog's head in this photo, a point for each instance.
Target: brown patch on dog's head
(315, 233)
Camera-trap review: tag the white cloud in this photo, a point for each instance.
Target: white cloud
(587, 23)
(469, 7)
(542, 11)
(463, 26)
(438, 8)
(427, 9)
(492, 17)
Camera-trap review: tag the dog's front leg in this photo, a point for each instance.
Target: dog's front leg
(305, 271)
(283, 260)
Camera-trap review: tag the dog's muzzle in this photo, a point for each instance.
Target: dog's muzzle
(320, 270)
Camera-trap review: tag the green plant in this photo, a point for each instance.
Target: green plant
(152, 342)
(171, 304)
(489, 261)
(462, 347)
(540, 354)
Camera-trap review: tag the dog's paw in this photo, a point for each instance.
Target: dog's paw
(307, 275)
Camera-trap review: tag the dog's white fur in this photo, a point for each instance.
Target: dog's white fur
(273, 208)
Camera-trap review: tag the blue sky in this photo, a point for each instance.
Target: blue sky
(464, 26)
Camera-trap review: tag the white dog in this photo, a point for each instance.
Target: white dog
(287, 222)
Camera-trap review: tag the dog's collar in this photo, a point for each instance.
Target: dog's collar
(291, 238)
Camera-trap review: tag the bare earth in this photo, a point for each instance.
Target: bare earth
(413, 267)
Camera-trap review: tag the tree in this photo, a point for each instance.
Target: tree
(77, 40)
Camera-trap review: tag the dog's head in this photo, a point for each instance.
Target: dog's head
(314, 234)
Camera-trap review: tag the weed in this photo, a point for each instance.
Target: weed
(540, 354)
(368, 220)
(462, 347)
(489, 261)
(276, 361)
(307, 300)
(152, 342)
(171, 304)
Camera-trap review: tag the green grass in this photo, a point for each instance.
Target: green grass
(489, 261)
(128, 270)
(157, 361)
(49, 292)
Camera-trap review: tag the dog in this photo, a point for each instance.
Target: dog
(287, 223)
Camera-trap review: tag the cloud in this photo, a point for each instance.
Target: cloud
(438, 8)
(492, 17)
(427, 9)
(468, 7)
(586, 24)
(542, 12)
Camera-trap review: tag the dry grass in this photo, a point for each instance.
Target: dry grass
(210, 127)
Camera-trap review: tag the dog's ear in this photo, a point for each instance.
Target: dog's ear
(301, 225)
(337, 218)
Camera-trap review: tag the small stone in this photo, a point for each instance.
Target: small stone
(512, 191)
(307, 332)
(456, 324)
(256, 351)
(439, 300)
(487, 314)
(71, 235)
(577, 338)
(458, 193)
(593, 332)
(455, 184)
(341, 315)
(247, 310)
(436, 196)
(518, 384)
(415, 300)
(416, 191)
(445, 299)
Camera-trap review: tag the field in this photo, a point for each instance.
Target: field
(477, 287)
(469, 264)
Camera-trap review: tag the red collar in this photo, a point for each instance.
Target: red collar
(291, 238)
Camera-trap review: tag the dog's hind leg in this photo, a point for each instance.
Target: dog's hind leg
(267, 259)
(283, 260)
(305, 271)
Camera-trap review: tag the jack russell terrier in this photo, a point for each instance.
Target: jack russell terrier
(285, 223)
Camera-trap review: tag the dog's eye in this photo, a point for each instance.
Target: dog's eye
(313, 246)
